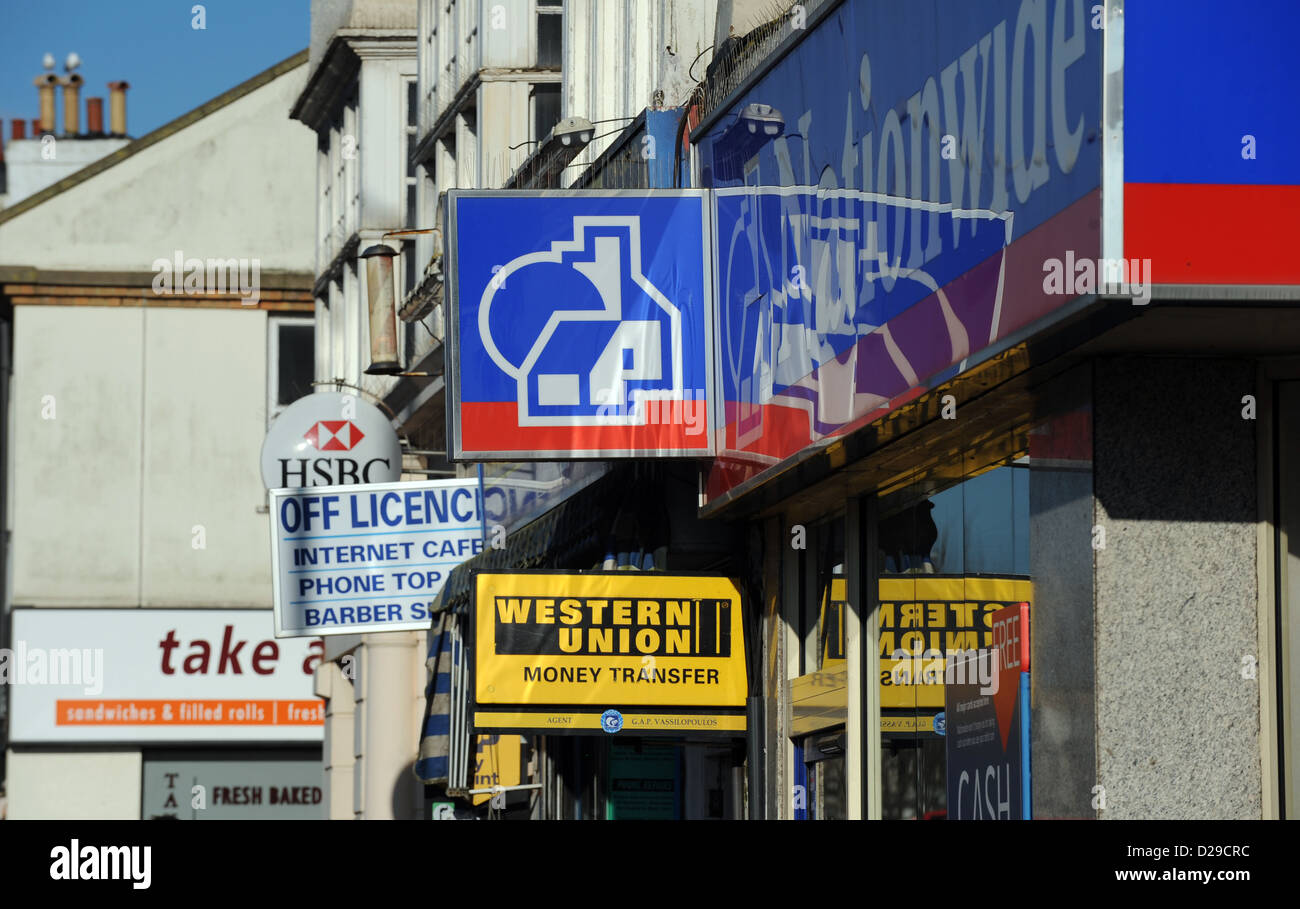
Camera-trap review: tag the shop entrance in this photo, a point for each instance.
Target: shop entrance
(606, 778)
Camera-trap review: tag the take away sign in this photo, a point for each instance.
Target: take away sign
(613, 651)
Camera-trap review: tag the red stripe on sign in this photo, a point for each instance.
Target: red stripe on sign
(674, 427)
(1203, 233)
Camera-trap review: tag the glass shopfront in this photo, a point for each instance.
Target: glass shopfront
(1004, 520)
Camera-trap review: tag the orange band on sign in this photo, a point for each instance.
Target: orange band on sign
(147, 712)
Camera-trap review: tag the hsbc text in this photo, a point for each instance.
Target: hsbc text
(327, 471)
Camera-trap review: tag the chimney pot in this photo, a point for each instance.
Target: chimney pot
(72, 104)
(95, 116)
(36, 127)
(117, 108)
(45, 93)
(19, 128)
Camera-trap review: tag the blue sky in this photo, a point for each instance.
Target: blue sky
(172, 67)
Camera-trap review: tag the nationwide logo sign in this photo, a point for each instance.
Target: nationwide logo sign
(330, 439)
(581, 325)
(895, 235)
(566, 652)
(334, 435)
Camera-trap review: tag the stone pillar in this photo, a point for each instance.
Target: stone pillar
(1176, 589)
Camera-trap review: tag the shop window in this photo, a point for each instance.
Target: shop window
(817, 694)
(949, 554)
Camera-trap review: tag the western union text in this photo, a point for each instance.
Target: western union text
(574, 625)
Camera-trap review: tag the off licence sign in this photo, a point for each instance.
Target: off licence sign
(349, 559)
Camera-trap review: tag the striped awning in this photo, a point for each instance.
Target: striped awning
(431, 766)
(572, 533)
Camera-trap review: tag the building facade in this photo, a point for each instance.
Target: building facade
(973, 350)
(155, 322)
(935, 422)
(959, 334)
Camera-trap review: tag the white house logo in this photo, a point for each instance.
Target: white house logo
(334, 435)
(612, 340)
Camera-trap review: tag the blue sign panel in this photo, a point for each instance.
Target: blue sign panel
(888, 197)
(580, 325)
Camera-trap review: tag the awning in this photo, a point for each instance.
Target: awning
(573, 533)
(431, 765)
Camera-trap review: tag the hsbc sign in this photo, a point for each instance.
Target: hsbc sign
(330, 439)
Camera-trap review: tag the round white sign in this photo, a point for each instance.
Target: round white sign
(330, 439)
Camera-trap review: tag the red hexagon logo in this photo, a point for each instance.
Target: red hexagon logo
(334, 435)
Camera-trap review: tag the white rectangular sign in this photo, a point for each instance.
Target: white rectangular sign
(159, 675)
(352, 559)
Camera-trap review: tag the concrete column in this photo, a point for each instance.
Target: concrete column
(1176, 589)
(337, 753)
(390, 683)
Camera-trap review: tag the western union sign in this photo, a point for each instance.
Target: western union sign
(608, 651)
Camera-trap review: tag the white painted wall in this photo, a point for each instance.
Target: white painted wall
(617, 54)
(202, 440)
(75, 480)
(159, 420)
(366, 192)
(237, 183)
(28, 170)
(74, 785)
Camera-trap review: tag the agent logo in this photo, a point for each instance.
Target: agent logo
(611, 721)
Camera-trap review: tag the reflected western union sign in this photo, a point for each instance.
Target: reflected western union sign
(922, 619)
(608, 651)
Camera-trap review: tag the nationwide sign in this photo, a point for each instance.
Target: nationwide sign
(897, 233)
(330, 439)
(351, 559)
(612, 651)
(580, 325)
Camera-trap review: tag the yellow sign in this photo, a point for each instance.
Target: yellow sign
(496, 763)
(589, 644)
(922, 619)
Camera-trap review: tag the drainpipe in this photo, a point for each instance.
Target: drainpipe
(117, 108)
